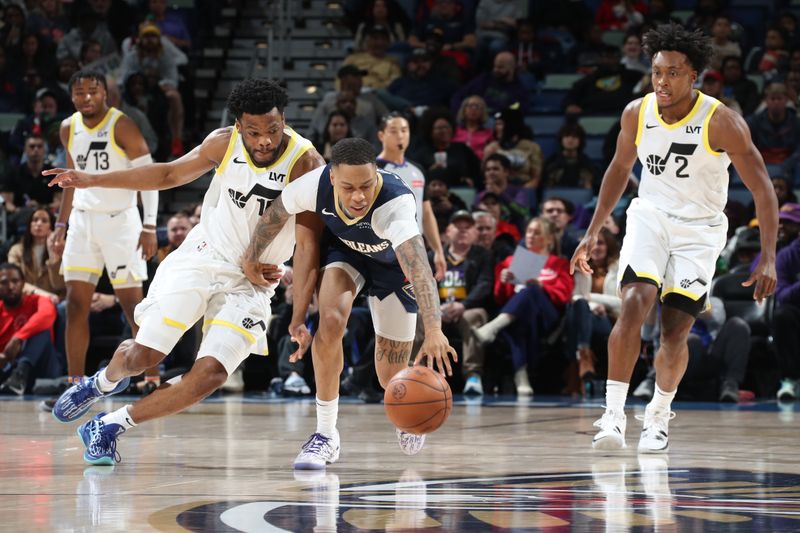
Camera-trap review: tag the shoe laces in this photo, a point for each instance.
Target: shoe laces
(318, 444)
(609, 418)
(656, 421)
(83, 392)
(103, 442)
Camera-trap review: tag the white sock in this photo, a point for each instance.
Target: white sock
(494, 326)
(661, 400)
(327, 412)
(103, 383)
(616, 393)
(120, 417)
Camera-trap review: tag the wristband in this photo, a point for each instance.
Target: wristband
(148, 230)
(61, 225)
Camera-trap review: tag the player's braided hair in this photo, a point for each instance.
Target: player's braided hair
(88, 74)
(352, 151)
(674, 37)
(256, 97)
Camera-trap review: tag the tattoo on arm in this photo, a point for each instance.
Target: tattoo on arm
(414, 262)
(268, 227)
(395, 352)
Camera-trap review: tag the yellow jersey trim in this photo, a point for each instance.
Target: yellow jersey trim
(640, 124)
(84, 269)
(284, 155)
(345, 218)
(100, 124)
(174, 323)
(682, 292)
(296, 156)
(697, 104)
(224, 323)
(113, 138)
(71, 131)
(229, 151)
(706, 144)
(647, 275)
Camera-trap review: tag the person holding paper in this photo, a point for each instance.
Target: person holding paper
(532, 304)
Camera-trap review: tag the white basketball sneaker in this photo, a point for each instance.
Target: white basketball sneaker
(612, 431)
(654, 430)
(410, 444)
(318, 451)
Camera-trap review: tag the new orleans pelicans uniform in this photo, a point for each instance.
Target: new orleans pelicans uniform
(676, 227)
(364, 246)
(104, 225)
(204, 278)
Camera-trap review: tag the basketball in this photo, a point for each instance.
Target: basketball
(418, 400)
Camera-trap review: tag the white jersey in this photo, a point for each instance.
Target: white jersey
(95, 150)
(240, 193)
(414, 178)
(681, 174)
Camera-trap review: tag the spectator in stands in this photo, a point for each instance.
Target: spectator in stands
(45, 116)
(570, 167)
(381, 69)
(178, 226)
(137, 115)
(585, 55)
(38, 257)
(27, 189)
(721, 43)
(500, 88)
(494, 205)
(620, 14)
(471, 125)
(443, 202)
(607, 90)
(91, 51)
(772, 59)
(36, 55)
(337, 128)
(386, 13)
(535, 57)
(48, 21)
(514, 139)
(465, 293)
(117, 15)
(171, 23)
(12, 97)
(147, 57)
(420, 85)
(704, 14)
(559, 211)
(438, 155)
(13, 29)
(660, 12)
(195, 212)
(786, 318)
(359, 126)
(775, 131)
(500, 246)
(455, 21)
(443, 63)
(595, 305)
(496, 170)
(633, 57)
(89, 27)
(26, 333)
(714, 85)
(532, 307)
(738, 86)
(496, 22)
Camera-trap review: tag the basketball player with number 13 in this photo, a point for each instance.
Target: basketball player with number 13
(676, 227)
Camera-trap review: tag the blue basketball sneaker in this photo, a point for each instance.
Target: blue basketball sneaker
(317, 452)
(100, 440)
(76, 400)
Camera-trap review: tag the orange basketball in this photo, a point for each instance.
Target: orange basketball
(418, 400)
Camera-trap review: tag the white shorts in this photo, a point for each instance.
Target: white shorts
(389, 316)
(678, 255)
(95, 240)
(193, 282)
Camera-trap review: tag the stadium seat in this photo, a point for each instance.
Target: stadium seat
(598, 125)
(548, 101)
(743, 196)
(576, 195)
(467, 194)
(545, 124)
(560, 82)
(9, 120)
(548, 144)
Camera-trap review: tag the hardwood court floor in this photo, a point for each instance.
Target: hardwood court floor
(500, 466)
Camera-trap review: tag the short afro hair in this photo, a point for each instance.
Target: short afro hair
(674, 37)
(256, 97)
(352, 151)
(88, 74)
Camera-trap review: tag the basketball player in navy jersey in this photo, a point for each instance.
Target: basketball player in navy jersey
(676, 227)
(371, 241)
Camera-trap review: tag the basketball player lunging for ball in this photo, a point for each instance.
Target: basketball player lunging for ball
(371, 241)
(676, 227)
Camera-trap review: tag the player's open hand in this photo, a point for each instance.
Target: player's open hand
(254, 272)
(68, 177)
(148, 244)
(580, 259)
(437, 348)
(299, 334)
(764, 277)
(271, 273)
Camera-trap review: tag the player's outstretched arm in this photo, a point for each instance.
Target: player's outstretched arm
(728, 132)
(614, 182)
(267, 228)
(414, 262)
(308, 232)
(157, 176)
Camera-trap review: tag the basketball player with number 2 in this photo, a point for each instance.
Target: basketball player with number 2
(676, 227)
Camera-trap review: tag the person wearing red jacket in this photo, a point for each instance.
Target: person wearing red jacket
(530, 307)
(26, 334)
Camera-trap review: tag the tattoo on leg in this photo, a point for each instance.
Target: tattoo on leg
(395, 352)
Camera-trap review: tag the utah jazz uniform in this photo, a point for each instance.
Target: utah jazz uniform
(364, 247)
(104, 225)
(412, 175)
(204, 277)
(676, 227)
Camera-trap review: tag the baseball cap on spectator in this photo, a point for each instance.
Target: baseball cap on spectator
(790, 212)
(45, 91)
(462, 214)
(713, 75)
(350, 70)
(749, 239)
(149, 27)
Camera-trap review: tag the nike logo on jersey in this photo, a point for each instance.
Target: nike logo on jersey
(236, 160)
(326, 212)
(650, 126)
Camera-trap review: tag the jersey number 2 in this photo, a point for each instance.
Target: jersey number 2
(683, 162)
